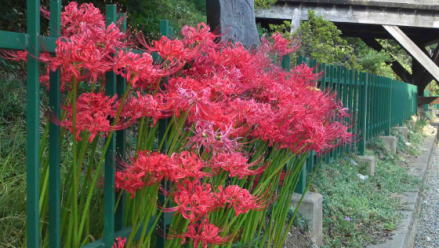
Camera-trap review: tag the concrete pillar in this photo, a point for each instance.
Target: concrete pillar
(312, 210)
(295, 21)
(404, 131)
(389, 143)
(368, 161)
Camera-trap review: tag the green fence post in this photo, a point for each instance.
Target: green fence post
(54, 138)
(389, 106)
(110, 161)
(120, 138)
(339, 88)
(301, 184)
(33, 126)
(357, 88)
(165, 218)
(362, 113)
(371, 114)
(350, 105)
(286, 62)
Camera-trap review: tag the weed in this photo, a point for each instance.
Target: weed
(12, 169)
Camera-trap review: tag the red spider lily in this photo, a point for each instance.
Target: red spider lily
(239, 199)
(199, 36)
(235, 164)
(185, 165)
(283, 46)
(74, 17)
(147, 168)
(85, 55)
(152, 106)
(195, 200)
(173, 51)
(138, 69)
(119, 243)
(94, 112)
(213, 140)
(151, 167)
(203, 233)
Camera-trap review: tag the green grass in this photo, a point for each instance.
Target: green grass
(12, 158)
(361, 212)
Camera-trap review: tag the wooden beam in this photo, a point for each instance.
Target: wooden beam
(426, 77)
(414, 50)
(428, 100)
(397, 68)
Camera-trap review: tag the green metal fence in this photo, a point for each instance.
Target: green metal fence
(375, 103)
(34, 43)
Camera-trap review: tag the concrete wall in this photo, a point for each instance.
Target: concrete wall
(409, 4)
(354, 14)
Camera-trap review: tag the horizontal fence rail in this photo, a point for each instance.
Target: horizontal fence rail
(375, 104)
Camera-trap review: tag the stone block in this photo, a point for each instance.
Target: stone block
(368, 161)
(389, 143)
(234, 20)
(312, 210)
(404, 131)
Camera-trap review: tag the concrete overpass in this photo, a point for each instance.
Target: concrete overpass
(413, 23)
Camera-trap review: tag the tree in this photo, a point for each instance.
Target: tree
(144, 15)
(264, 3)
(323, 41)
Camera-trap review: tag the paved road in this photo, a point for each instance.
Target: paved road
(428, 226)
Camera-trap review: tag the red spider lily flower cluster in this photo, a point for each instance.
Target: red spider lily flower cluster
(93, 114)
(230, 95)
(204, 233)
(119, 242)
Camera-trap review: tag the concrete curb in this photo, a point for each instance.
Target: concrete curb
(404, 235)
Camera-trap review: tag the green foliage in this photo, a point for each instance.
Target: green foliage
(397, 53)
(146, 15)
(142, 15)
(12, 170)
(361, 212)
(13, 95)
(322, 41)
(264, 3)
(433, 87)
(358, 212)
(372, 61)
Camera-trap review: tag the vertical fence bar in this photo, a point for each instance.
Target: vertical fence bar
(362, 113)
(164, 218)
(301, 184)
(355, 122)
(346, 82)
(32, 126)
(333, 88)
(350, 103)
(110, 161)
(373, 110)
(389, 106)
(286, 62)
(120, 137)
(339, 84)
(54, 137)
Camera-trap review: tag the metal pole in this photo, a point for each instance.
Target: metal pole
(54, 138)
(110, 161)
(33, 125)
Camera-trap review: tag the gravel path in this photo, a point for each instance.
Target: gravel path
(428, 226)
